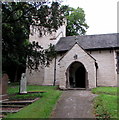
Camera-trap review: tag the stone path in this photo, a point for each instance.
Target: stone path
(75, 104)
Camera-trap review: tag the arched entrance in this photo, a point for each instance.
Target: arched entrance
(76, 76)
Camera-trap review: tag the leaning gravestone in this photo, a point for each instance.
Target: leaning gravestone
(23, 83)
(3, 87)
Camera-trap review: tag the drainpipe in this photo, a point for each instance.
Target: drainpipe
(54, 72)
(96, 65)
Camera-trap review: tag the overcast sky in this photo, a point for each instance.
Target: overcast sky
(101, 15)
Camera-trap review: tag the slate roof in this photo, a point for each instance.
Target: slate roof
(89, 42)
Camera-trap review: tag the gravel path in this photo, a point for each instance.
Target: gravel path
(74, 104)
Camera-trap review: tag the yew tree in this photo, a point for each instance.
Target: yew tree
(17, 17)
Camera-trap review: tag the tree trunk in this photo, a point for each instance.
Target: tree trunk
(16, 74)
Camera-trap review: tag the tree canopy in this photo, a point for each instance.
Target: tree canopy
(76, 23)
(17, 17)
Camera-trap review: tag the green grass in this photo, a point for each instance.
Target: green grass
(25, 96)
(41, 108)
(105, 90)
(105, 104)
(13, 92)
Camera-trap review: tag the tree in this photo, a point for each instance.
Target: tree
(17, 17)
(76, 24)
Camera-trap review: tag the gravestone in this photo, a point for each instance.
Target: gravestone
(23, 84)
(3, 87)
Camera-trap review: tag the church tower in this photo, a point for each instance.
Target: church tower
(39, 77)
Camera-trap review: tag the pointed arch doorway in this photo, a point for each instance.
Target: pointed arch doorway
(76, 76)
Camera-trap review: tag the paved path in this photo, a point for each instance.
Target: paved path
(74, 104)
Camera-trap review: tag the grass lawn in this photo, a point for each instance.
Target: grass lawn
(39, 109)
(105, 104)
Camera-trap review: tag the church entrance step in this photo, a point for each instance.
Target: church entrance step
(76, 89)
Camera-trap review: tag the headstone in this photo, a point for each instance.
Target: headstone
(23, 83)
(3, 87)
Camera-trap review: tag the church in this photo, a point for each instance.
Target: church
(82, 62)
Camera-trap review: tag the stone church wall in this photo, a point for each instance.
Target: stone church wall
(49, 74)
(53, 38)
(106, 73)
(45, 76)
(50, 71)
(35, 77)
(84, 58)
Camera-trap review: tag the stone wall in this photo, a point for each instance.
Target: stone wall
(45, 40)
(44, 76)
(49, 74)
(35, 77)
(84, 58)
(106, 73)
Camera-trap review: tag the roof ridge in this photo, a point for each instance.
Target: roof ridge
(93, 35)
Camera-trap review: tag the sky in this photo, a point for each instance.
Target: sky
(101, 15)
